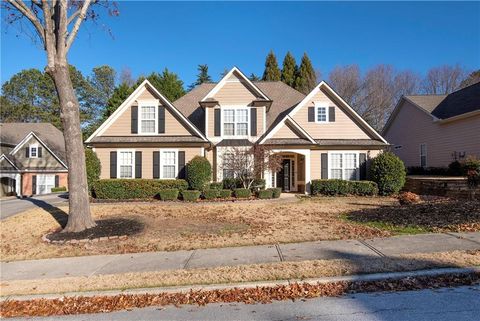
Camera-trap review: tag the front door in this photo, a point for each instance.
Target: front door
(283, 176)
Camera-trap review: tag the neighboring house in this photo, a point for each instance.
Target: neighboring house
(32, 159)
(434, 130)
(317, 135)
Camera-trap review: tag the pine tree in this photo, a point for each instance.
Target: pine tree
(253, 77)
(272, 72)
(306, 79)
(119, 95)
(289, 70)
(202, 76)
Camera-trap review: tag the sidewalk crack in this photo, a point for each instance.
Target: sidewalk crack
(189, 259)
(461, 237)
(372, 248)
(279, 251)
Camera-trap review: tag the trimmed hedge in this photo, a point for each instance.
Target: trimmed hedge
(134, 188)
(332, 187)
(388, 171)
(199, 172)
(58, 189)
(265, 194)
(241, 192)
(216, 185)
(276, 191)
(259, 183)
(190, 195)
(211, 194)
(225, 193)
(169, 194)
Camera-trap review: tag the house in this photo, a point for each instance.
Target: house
(318, 135)
(435, 130)
(32, 159)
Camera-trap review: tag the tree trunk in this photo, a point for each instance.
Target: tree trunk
(79, 217)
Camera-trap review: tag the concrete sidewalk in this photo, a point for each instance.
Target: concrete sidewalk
(207, 258)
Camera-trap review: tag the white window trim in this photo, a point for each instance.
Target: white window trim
(162, 150)
(222, 121)
(423, 144)
(133, 162)
(357, 153)
(147, 103)
(327, 116)
(35, 145)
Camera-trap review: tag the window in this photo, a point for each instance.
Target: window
(235, 122)
(344, 166)
(148, 119)
(45, 183)
(33, 151)
(168, 163)
(126, 162)
(423, 155)
(321, 113)
(227, 162)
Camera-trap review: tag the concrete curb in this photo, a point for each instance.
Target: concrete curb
(324, 280)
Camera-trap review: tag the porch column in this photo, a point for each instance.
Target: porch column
(18, 185)
(307, 172)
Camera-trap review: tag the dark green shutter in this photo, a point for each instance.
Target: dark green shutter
(181, 165)
(138, 164)
(27, 152)
(331, 114)
(57, 180)
(324, 165)
(161, 120)
(216, 118)
(253, 121)
(34, 184)
(39, 151)
(363, 166)
(311, 114)
(134, 119)
(113, 164)
(156, 164)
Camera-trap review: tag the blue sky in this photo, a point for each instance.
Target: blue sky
(149, 36)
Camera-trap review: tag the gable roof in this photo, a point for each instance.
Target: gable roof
(15, 167)
(426, 102)
(324, 86)
(49, 135)
(133, 96)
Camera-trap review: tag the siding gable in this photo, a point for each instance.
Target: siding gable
(235, 91)
(46, 162)
(6, 165)
(287, 131)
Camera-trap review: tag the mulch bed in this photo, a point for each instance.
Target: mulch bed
(441, 215)
(96, 304)
(104, 229)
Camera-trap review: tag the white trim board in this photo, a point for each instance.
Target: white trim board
(292, 122)
(5, 157)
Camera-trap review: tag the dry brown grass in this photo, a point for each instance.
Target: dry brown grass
(176, 226)
(243, 273)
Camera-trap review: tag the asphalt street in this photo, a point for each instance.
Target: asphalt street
(12, 206)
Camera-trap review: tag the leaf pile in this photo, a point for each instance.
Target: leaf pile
(435, 216)
(81, 305)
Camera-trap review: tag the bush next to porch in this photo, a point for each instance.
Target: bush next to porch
(241, 192)
(211, 194)
(190, 195)
(58, 189)
(199, 172)
(119, 189)
(265, 194)
(225, 193)
(276, 191)
(216, 185)
(169, 194)
(388, 171)
(332, 187)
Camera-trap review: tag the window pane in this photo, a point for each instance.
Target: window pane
(242, 115)
(125, 171)
(321, 114)
(168, 158)
(33, 152)
(336, 173)
(336, 160)
(350, 160)
(351, 174)
(229, 115)
(148, 126)
(228, 129)
(148, 119)
(242, 129)
(168, 171)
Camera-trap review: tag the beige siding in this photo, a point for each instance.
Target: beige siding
(47, 161)
(260, 120)
(122, 125)
(234, 93)
(103, 154)
(5, 165)
(286, 131)
(343, 128)
(211, 121)
(412, 127)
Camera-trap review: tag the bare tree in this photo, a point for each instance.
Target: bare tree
(347, 82)
(56, 24)
(248, 163)
(443, 80)
(406, 83)
(126, 77)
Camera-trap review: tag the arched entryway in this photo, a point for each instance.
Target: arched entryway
(7, 186)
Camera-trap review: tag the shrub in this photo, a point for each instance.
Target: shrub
(58, 189)
(276, 191)
(418, 170)
(388, 171)
(134, 188)
(364, 188)
(211, 194)
(241, 192)
(407, 198)
(258, 183)
(169, 194)
(231, 183)
(471, 167)
(265, 194)
(199, 172)
(225, 193)
(93, 166)
(330, 187)
(190, 195)
(216, 185)
(455, 168)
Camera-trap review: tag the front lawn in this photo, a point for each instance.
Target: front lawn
(177, 226)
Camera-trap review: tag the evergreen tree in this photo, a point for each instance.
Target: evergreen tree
(202, 76)
(167, 83)
(272, 72)
(224, 73)
(306, 79)
(289, 70)
(253, 77)
(119, 95)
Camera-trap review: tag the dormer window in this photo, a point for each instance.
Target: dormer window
(34, 151)
(148, 120)
(235, 122)
(321, 114)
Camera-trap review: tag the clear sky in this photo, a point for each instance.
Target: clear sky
(149, 36)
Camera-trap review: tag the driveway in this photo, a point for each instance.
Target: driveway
(10, 207)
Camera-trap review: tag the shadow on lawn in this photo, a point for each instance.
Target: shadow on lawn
(59, 215)
(445, 215)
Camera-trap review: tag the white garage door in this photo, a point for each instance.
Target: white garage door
(45, 183)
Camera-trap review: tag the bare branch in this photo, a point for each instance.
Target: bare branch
(73, 16)
(78, 22)
(20, 6)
